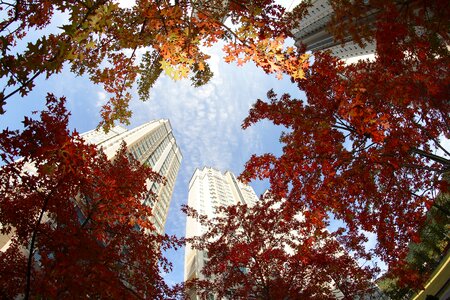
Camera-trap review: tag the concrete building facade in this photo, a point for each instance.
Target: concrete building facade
(210, 188)
(152, 144)
(313, 33)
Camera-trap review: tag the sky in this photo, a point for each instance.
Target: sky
(206, 122)
(207, 126)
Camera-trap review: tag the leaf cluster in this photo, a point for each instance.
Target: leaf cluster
(270, 251)
(425, 253)
(76, 221)
(172, 36)
(360, 147)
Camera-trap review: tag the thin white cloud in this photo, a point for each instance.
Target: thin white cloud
(101, 99)
(206, 120)
(207, 126)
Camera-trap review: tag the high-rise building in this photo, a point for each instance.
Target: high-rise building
(152, 144)
(209, 188)
(312, 32)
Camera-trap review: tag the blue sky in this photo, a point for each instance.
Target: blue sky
(206, 122)
(207, 125)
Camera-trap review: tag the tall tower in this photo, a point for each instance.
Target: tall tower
(313, 33)
(152, 144)
(208, 189)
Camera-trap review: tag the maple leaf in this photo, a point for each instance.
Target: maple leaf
(201, 66)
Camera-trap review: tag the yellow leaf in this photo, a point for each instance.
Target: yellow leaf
(168, 69)
(183, 71)
(201, 66)
(299, 74)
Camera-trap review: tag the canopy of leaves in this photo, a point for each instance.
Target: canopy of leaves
(270, 251)
(77, 223)
(425, 254)
(360, 148)
(101, 38)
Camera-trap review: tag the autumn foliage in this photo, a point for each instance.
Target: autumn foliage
(101, 39)
(361, 148)
(364, 148)
(77, 223)
(271, 251)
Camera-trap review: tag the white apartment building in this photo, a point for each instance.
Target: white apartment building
(209, 188)
(152, 144)
(313, 33)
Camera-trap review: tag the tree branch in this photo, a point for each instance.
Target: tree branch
(433, 157)
(2, 100)
(33, 238)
